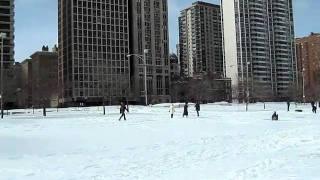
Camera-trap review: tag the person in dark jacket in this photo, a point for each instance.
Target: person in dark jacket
(288, 105)
(197, 106)
(185, 110)
(123, 109)
(313, 104)
(275, 116)
(314, 109)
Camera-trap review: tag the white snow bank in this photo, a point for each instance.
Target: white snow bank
(224, 143)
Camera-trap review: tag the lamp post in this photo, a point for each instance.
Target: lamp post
(2, 36)
(303, 88)
(247, 87)
(144, 59)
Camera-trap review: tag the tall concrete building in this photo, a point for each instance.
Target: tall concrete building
(149, 31)
(200, 39)
(95, 39)
(93, 48)
(259, 47)
(9, 75)
(7, 27)
(308, 60)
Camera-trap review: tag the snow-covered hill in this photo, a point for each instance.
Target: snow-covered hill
(224, 143)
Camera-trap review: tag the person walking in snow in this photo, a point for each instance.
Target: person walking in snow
(185, 110)
(314, 109)
(172, 110)
(123, 109)
(197, 106)
(288, 105)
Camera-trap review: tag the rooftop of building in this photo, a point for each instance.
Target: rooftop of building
(312, 34)
(25, 61)
(201, 3)
(44, 52)
(205, 4)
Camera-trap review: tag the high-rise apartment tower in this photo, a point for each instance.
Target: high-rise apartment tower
(7, 27)
(200, 39)
(259, 47)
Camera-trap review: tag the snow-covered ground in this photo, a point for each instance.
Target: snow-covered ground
(224, 143)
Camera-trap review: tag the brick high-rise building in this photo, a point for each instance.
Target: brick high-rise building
(200, 39)
(308, 59)
(7, 27)
(259, 47)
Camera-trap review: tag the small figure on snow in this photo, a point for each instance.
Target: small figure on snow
(288, 105)
(275, 116)
(172, 110)
(197, 106)
(185, 110)
(123, 109)
(314, 109)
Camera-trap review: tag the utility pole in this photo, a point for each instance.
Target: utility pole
(247, 88)
(145, 75)
(303, 84)
(2, 36)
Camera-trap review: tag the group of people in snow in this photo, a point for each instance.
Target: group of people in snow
(185, 109)
(124, 108)
(274, 117)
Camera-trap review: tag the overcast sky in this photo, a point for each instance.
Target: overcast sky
(36, 22)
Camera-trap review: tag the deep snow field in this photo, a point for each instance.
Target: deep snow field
(225, 143)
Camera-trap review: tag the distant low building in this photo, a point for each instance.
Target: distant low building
(39, 82)
(25, 96)
(11, 81)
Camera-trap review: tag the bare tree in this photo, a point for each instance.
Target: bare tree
(262, 93)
